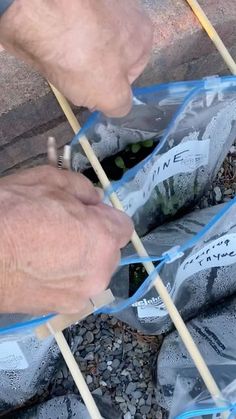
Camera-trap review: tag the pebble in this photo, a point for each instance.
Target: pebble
(113, 321)
(137, 394)
(106, 375)
(82, 331)
(127, 415)
(89, 356)
(136, 363)
(131, 408)
(149, 400)
(218, 194)
(119, 399)
(131, 388)
(59, 375)
(77, 341)
(123, 407)
(128, 347)
(97, 392)
(102, 383)
(89, 379)
(115, 363)
(145, 409)
(89, 337)
(102, 366)
(65, 371)
(141, 402)
(228, 192)
(90, 319)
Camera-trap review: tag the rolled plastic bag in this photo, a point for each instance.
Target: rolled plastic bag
(27, 364)
(191, 126)
(179, 386)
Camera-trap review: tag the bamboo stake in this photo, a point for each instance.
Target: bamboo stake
(213, 35)
(158, 284)
(76, 373)
(58, 335)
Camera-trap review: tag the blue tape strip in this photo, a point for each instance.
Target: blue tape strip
(138, 259)
(29, 324)
(90, 121)
(231, 408)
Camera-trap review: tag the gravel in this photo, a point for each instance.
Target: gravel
(109, 368)
(223, 188)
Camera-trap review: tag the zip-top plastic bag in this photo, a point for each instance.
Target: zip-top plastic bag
(27, 364)
(179, 386)
(191, 126)
(198, 270)
(63, 407)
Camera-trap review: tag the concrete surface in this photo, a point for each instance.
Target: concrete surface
(181, 50)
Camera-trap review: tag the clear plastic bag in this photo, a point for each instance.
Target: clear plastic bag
(179, 387)
(198, 270)
(27, 364)
(63, 407)
(192, 126)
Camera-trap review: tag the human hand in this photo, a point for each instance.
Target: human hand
(59, 243)
(90, 50)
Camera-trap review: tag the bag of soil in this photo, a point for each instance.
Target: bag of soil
(26, 364)
(179, 386)
(63, 407)
(198, 270)
(170, 146)
(67, 407)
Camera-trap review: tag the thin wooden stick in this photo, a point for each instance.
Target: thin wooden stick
(58, 335)
(76, 373)
(213, 35)
(158, 284)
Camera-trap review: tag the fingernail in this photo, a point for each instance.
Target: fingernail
(100, 192)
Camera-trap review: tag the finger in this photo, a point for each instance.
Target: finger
(74, 183)
(119, 225)
(136, 70)
(116, 98)
(82, 188)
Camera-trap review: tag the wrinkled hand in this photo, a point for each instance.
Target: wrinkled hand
(59, 243)
(91, 50)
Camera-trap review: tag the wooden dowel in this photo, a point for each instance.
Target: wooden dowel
(213, 35)
(76, 374)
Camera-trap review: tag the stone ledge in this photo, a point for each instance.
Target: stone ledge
(181, 51)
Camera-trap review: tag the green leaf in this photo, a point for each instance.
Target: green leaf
(120, 162)
(135, 147)
(147, 143)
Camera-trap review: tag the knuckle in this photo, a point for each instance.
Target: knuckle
(46, 170)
